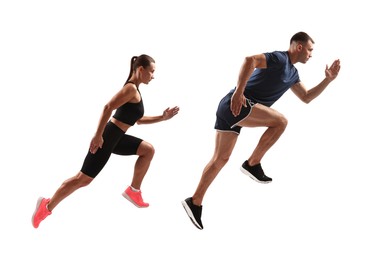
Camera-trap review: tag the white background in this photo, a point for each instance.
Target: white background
(61, 61)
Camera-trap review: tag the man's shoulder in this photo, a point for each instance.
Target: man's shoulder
(281, 54)
(276, 57)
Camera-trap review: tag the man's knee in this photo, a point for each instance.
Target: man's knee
(282, 122)
(221, 160)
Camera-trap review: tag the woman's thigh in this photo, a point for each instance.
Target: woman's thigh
(127, 145)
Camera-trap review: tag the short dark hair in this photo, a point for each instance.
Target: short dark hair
(301, 37)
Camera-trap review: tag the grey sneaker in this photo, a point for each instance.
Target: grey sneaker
(255, 172)
(194, 212)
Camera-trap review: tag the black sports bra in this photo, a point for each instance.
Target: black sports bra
(129, 112)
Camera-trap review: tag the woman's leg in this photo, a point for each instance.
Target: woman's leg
(91, 167)
(130, 145)
(67, 188)
(145, 152)
(45, 206)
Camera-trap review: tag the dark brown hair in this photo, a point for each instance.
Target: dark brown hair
(139, 61)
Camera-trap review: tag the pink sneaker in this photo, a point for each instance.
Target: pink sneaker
(135, 197)
(41, 212)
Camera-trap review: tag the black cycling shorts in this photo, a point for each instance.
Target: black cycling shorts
(115, 141)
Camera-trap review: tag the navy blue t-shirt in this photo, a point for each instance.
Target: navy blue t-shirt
(265, 86)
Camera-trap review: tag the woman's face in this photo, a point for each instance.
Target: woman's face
(147, 73)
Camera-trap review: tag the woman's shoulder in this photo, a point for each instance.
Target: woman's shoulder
(130, 87)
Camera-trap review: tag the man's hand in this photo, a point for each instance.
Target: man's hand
(237, 101)
(332, 72)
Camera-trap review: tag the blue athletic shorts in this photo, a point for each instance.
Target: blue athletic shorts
(225, 120)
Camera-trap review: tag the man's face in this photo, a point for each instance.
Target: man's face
(306, 52)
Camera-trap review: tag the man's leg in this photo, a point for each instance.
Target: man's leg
(225, 142)
(275, 122)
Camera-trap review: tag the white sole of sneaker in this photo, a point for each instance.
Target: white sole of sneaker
(190, 214)
(251, 176)
(133, 202)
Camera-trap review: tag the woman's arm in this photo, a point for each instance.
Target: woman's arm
(126, 94)
(166, 115)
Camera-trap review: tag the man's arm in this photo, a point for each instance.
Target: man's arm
(308, 95)
(249, 65)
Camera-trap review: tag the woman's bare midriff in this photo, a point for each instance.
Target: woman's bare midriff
(124, 127)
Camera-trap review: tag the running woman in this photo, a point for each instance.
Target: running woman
(111, 137)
